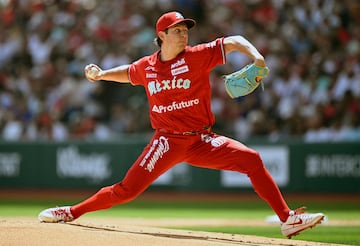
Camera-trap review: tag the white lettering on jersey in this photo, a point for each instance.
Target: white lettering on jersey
(179, 70)
(211, 44)
(175, 106)
(156, 86)
(151, 75)
(178, 63)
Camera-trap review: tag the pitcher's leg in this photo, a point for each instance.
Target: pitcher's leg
(103, 199)
(267, 189)
(156, 159)
(112, 195)
(219, 152)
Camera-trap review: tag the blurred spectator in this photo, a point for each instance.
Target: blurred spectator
(312, 48)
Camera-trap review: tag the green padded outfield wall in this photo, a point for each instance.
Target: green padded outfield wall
(62, 165)
(325, 167)
(296, 167)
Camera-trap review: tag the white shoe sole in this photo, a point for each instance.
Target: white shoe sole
(313, 224)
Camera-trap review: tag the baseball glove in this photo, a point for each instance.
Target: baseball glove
(245, 81)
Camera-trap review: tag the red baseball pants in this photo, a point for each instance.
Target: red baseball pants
(207, 150)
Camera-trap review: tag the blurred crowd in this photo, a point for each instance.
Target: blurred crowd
(312, 48)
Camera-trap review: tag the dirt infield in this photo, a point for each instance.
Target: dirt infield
(97, 232)
(136, 231)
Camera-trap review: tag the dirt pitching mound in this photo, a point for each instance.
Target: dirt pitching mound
(98, 232)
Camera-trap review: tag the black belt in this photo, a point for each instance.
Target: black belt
(206, 129)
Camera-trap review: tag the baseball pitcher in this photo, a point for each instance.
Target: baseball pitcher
(176, 81)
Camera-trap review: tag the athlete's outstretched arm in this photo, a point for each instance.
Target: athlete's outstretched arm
(240, 44)
(116, 74)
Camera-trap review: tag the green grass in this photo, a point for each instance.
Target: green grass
(215, 209)
(326, 234)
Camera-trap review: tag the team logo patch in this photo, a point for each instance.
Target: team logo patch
(179, 16)
(214, 141)
(179, 70)
(217, 142)
(150, 68)
(178, 63)
(151, 75)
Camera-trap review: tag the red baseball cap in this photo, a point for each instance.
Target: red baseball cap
(170, 19)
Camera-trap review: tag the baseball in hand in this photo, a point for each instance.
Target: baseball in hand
(93, 73)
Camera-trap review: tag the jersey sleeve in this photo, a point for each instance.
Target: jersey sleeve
(135, 72)
(211, 54)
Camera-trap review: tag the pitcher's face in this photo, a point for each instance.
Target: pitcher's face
(177, 36)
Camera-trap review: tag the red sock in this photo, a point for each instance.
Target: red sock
(103, 199)
(268, 190)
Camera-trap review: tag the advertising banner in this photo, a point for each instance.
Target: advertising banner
(298, 167)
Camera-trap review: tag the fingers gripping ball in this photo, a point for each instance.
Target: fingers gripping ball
(92, 73)
(244, 81)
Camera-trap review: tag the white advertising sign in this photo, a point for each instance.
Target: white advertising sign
(276, 160)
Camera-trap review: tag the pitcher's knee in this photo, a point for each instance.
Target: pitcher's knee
(253, 162)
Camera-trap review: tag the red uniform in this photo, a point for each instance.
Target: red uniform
(179, 96)
(179, 90)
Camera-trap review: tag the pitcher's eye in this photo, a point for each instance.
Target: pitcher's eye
(181, 31)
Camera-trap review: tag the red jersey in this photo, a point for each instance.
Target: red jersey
(178, 90)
